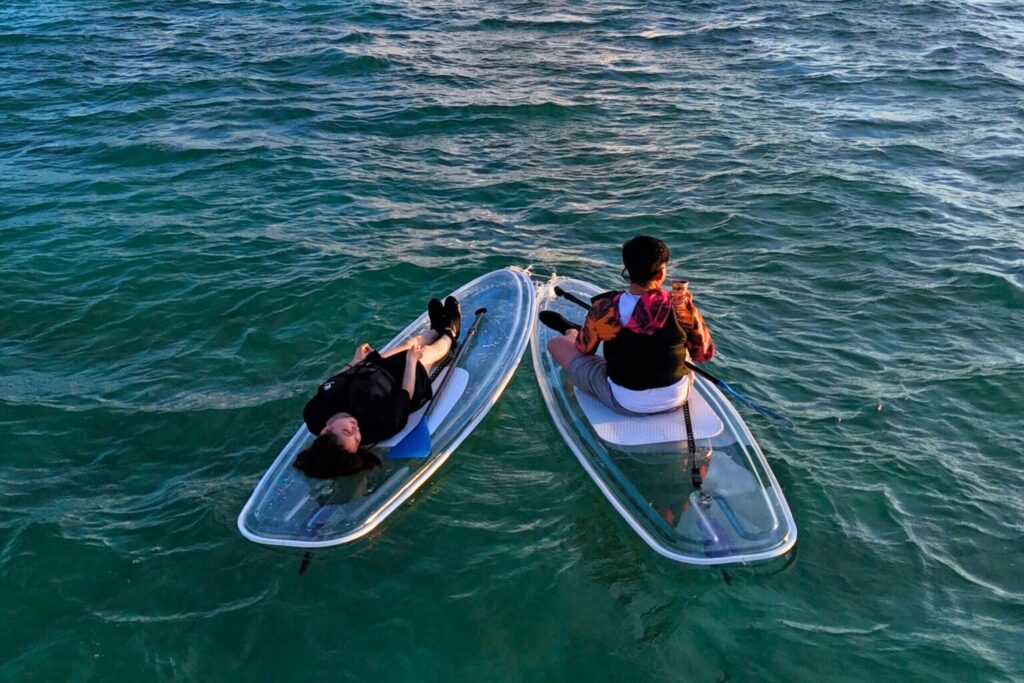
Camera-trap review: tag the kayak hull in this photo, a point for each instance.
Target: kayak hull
(739, 516)
(289, 509)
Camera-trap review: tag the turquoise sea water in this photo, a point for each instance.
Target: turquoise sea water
(204, 205)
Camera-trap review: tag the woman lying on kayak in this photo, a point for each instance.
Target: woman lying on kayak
(372, 397)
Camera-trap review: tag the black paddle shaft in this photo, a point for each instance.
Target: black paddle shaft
(455, 360)
(721, 384)
(569, 296)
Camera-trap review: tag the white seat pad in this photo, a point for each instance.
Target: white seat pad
(445, 402)
(623, 430)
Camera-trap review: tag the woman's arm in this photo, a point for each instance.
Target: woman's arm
(407, 344)
(424, 339)
(412, 359)
(363, 351)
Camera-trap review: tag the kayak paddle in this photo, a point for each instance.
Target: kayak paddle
(721, 384)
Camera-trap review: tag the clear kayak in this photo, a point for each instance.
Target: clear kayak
(289, 509)
(643, 465)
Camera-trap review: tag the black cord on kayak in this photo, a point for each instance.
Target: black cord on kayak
(691, 446)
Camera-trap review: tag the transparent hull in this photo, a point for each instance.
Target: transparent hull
(739, 516)
(289, 509)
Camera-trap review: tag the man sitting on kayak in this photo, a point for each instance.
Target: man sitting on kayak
(372, 397)
(648, 332)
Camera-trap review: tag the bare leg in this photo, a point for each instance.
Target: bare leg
(563, 348)
(435, 347)
(436, 350)
(424, 340)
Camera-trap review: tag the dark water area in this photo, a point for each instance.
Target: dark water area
(205, 205)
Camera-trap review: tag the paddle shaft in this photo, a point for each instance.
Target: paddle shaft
(721, 384)
(455, 361)
(580, 302)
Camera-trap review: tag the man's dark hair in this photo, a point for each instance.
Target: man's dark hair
(326, 459)
(643, 257)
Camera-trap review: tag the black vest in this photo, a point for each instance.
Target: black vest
(647, 361)
(364, 392)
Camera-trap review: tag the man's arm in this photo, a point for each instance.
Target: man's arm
(601, 325)
(698, 336)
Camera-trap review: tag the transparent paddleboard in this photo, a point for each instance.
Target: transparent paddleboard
(738, 516)
(289, 509)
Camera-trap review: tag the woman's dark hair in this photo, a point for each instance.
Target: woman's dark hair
(326, 459)
(643, 257)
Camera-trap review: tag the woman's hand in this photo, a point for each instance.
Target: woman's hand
(412, 360)
(363, 352)
(414, 354)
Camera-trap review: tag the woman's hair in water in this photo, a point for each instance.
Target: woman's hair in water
(326, 459)
(643, 257)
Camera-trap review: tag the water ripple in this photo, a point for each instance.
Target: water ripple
(203, 215)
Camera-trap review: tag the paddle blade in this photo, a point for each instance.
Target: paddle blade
(415, 444)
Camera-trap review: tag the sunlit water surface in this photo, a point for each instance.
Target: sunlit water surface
(204, 205)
